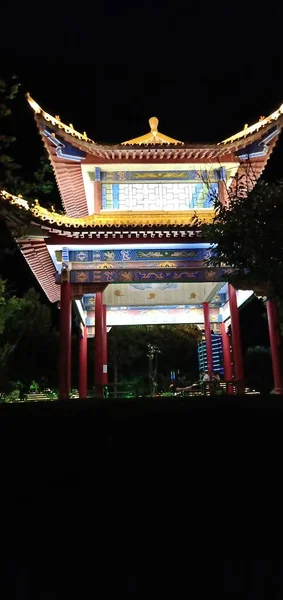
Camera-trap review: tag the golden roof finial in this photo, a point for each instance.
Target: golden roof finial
(153, 123)
(153, 137)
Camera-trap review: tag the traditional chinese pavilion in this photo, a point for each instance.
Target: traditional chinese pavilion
(126, 251)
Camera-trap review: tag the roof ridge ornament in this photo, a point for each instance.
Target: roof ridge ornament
(153, 137)
(153, 123)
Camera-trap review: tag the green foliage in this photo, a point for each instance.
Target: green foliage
(247, 236)
(128, 352)
(37, 349)
(8, 92)
(42, 184)
(28, 343)
(2, 306)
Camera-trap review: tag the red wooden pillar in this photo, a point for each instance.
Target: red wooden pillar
(97, 197)
(65, 338)
(228, 370)
(273, 328)
(223, 192)
(97, 191)
(104, 349)
(83, 363)
(98, 345)
(236, 339)
(208, 342)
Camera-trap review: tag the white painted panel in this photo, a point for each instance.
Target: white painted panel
(159, 316)
(149, 294)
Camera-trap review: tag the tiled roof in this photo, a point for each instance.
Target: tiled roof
(39, 261)
(157, 146)
(70, 183)
(250, 171)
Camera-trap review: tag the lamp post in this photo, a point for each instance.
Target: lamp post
(152, 353)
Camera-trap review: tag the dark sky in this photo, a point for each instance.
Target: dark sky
(203, 68)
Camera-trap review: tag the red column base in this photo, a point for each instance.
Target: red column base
(99, 389)
(228, 371)
(236, 340)
(208, 341)
(65, 341)
(273, 327)
(83, 364)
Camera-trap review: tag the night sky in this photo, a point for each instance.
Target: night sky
(203, 69)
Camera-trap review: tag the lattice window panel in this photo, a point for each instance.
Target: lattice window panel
(156, 196)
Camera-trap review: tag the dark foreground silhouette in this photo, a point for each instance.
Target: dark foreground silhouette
(141, 496)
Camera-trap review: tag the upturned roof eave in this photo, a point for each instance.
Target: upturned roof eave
(240, 140)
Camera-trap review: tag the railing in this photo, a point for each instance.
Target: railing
(222, 388)
(208, 388)
(117, 390)
(122, 390)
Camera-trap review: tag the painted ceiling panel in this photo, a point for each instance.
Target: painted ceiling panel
(150, 294)
(164, 315)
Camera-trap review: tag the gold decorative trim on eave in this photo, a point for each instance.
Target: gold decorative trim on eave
(154, 137)
(18, 200)
(256, 127)
(113, 218)
(56, 121)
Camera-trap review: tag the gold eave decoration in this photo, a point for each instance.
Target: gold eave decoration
(56, 121)
(112, 218)
(18, 200)
(256, 127)
(153, 137)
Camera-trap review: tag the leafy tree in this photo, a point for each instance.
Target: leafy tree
(13, 221)
(128, 351)
(28, 342)
(10, 307)
(11, 179)
(247, 236)
(37, 349)
(42, 185)
(8, 92)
